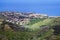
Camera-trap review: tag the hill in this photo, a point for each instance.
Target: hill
(37, 29)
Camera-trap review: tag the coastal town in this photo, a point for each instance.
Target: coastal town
(21, 18)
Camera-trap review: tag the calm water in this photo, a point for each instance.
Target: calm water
(50, 9)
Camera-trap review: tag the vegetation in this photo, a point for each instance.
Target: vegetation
(35, 20)
(35, 25)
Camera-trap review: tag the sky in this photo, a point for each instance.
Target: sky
(49, 7)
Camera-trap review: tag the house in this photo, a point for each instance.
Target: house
(38, 15)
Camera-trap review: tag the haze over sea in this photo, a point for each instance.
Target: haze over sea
(49, 7)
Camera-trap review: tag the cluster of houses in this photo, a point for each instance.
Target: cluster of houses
(21, 18)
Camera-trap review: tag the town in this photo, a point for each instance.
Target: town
(22, 18)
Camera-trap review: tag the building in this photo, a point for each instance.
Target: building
(38, 15)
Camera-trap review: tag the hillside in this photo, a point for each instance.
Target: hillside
(39, 29)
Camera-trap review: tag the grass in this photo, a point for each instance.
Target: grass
(40, 23)
(47, 34)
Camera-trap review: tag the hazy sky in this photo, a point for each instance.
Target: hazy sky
(50, 7)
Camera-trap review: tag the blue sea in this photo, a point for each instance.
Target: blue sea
(51, 9)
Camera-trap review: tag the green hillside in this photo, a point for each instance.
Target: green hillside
(40, 23)
(8, 34)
